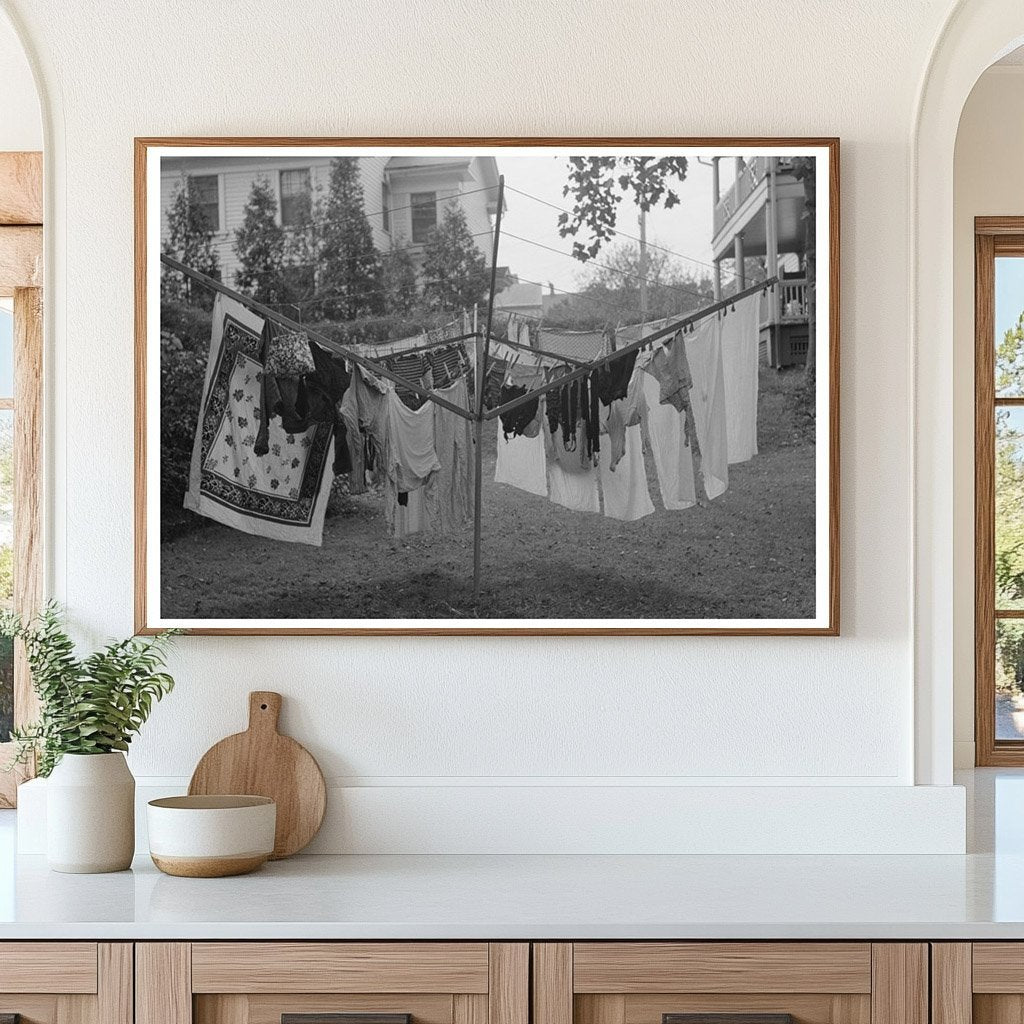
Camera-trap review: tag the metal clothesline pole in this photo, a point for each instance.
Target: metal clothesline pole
(483, 353)
(673, 328)
(324, 342)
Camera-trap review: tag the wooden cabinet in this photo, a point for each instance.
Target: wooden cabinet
(748, 982)
(307, 982)
(978, 983)
(66, 982)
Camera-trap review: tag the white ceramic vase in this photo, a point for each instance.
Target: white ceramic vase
(90, 814)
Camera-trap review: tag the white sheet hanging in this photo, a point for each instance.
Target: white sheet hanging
(624, 489)
(673, 458)
(740, 338)
(707, 399)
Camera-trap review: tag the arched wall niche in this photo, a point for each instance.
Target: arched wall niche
(975, 35)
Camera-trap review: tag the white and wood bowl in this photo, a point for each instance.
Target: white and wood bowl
(211, 836)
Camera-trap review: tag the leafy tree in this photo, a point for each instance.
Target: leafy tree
(1009, 507)
(455, 273)
(610, 290)
(401, 294)
(301, 253)
(350, 270)
(190, 240)
(260, 246)
(597, 184)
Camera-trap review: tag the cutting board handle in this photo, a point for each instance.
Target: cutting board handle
(264, 710)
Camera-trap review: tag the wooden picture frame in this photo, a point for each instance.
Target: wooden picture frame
(149, 216)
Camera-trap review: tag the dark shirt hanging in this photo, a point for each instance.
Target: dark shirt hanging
(516, 421)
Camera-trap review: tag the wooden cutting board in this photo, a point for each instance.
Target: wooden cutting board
(262, 762)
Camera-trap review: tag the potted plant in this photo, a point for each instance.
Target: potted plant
(89, 710)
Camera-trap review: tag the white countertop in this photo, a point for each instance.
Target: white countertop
(496, 897)
(977, 896)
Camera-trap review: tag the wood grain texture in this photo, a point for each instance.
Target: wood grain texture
(64, 967)
(998, 1009)
(163, 983)
(143, 143)
(951, 983)
(984, 501)
(994, 237)
(21, 188)
(28, 483)
(115, 995)
(603, 1009)
(262, 762)
(899, 983)
(268, 1009)
(998, 967)
(552, 983)
(806, 1008)
(633, 967)
(32, 1009)
(508, 993)
(346, 1018)
(467, 1009)
(305, 967)
(21, 259)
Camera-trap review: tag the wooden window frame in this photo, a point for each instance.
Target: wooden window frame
(993, 237)
(21, 273)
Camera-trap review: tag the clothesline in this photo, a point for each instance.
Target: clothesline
(324, 342)
(674, 327)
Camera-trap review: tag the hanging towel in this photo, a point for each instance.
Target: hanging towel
(281, 495)
(520, 459)
(572, 483)
(448, 495)
(624, 489)
(740, 339)
(673, 457)
(707, 399)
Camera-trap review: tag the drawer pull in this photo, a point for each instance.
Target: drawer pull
(727, 1018)
(339, 1018)
(10, 1018)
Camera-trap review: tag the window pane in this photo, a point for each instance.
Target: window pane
(1009, 679)
(6, 354)
(424, 214)
(1009, 532)
(6, 565)
(208, 191)
(296, 193)
(1009, 323)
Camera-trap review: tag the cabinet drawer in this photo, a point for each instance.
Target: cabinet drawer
(332, 983)
(634, 967)
(730, 983)
(340, 967)
(66, 982)
(58, 967)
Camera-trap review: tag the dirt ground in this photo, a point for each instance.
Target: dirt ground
(749, 554)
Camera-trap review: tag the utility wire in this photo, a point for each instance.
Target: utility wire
(614, 231)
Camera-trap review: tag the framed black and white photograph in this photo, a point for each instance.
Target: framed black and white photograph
(487, 386)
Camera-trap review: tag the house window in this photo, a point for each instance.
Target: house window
(999, 491)
(385, 207)
(296, 191)
(424, 215)
(207, 188)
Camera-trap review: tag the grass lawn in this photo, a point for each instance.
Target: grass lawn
(749, 554)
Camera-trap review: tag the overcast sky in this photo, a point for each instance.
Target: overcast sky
(685, 229)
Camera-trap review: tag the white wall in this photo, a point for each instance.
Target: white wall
(987, 181)
(457, 712)
(21, 126)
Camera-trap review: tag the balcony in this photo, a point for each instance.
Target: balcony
(738, 208)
